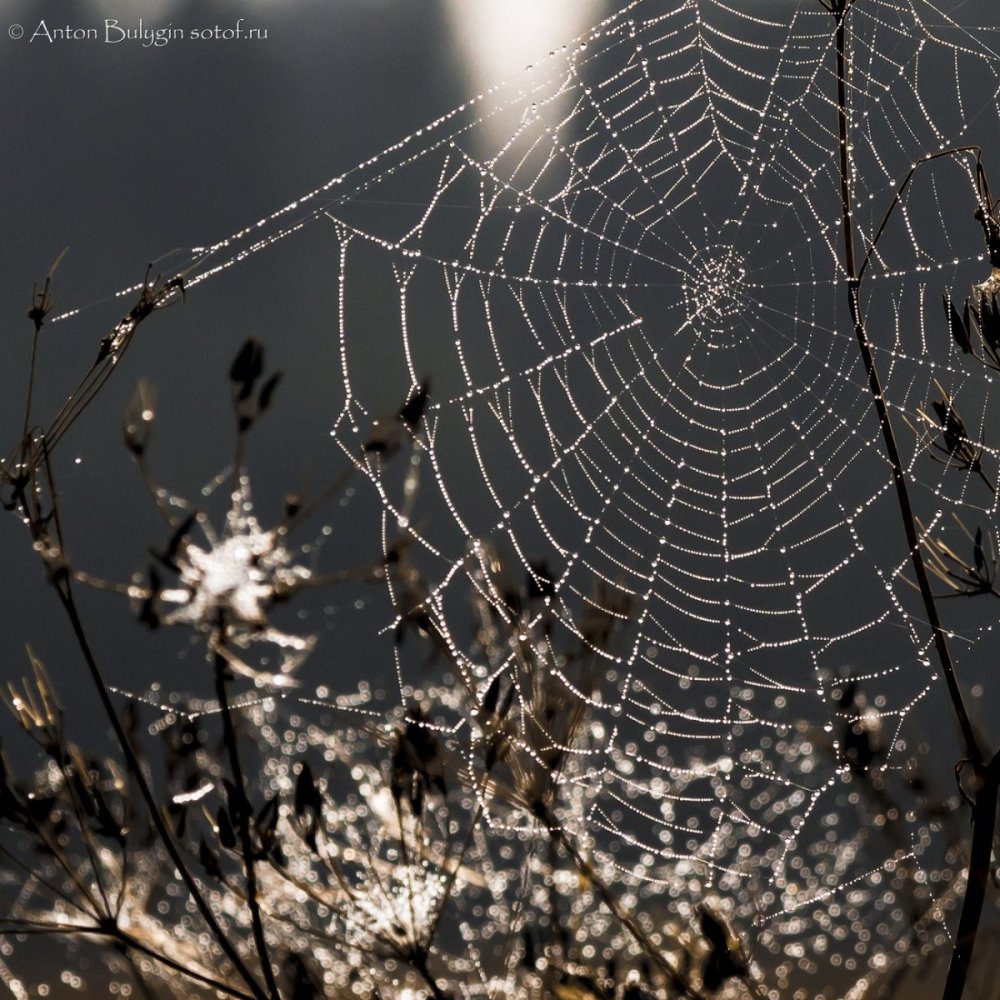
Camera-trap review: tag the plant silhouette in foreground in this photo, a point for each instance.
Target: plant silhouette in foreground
(960, 452)
(255, 854)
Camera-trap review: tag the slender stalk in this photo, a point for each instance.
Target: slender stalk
(41, 306)
(84, 833)
(31, 381)
(889, 438)
(896, 201)
(453, 874)
(984, 814)
(62, 583)
(154, 296)
(135, 769)
(676, 976)
(126, 941)
(243, 816)
(30, 873)
(420, 964)
(984, 809)
(129, 942)
(72, 874)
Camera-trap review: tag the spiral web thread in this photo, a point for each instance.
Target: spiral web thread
(644, 378)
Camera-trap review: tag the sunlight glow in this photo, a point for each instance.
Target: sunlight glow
(498, 40)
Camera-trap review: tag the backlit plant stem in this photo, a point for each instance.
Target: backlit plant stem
(244, 813)
(984, 811)
(624, 917)
(62, 584)
(875, 386)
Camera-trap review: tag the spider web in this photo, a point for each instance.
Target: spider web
(645, 375)
(644, 378)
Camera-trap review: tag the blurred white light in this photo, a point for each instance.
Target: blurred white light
(500, 37)
(497, 39)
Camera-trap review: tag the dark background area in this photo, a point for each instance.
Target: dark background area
(123, 153)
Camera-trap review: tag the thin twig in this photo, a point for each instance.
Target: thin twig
(984, 812)
(243, 810)
(115, 933)
(881, 408)
(63, 588)
(674, 974)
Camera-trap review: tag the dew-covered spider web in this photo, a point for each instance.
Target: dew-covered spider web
(646, 398)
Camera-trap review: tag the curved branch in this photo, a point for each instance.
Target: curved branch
(984, 815)
(881, 408)
(942, 154)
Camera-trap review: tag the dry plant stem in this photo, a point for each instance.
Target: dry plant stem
(881, 409)
(32, 452)
(31, 380)
(459, 861)
(88, 841)
(244, 813)
(63, 589)
(62, 583)
(985, 811)
(674, 975)
(71, 874)
(453, 875)
(126, 941)
(30, 873)
(41, 305)
(419, 963)
(955, 151)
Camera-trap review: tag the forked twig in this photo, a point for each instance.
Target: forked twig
(840, 12)
(62, 582)
(984, 813)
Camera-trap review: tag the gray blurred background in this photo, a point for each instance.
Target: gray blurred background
(123, 153)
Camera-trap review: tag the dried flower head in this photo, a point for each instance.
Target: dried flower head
(232, 580)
